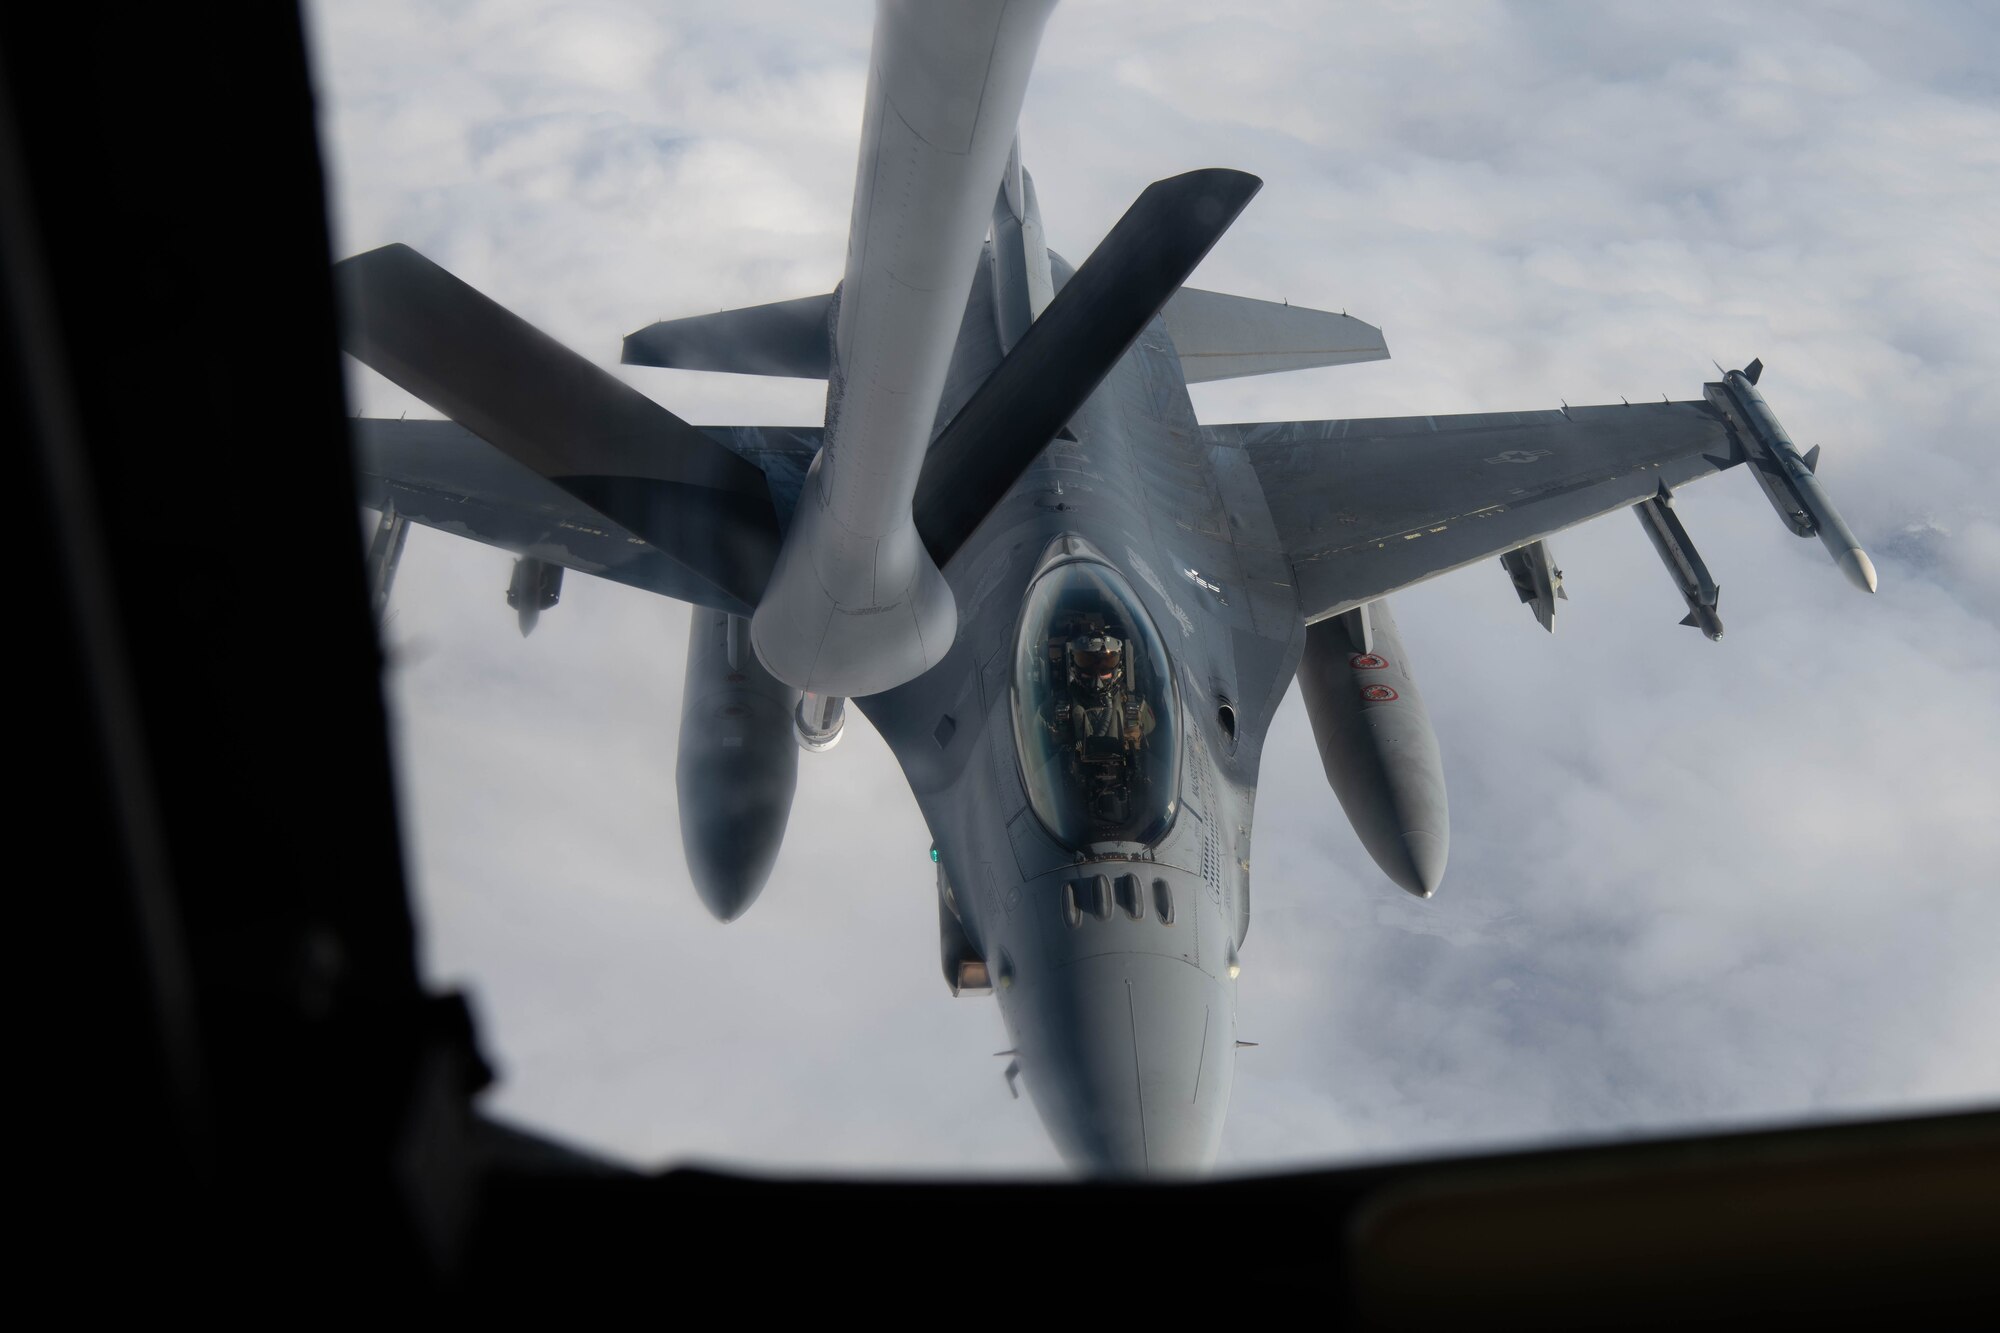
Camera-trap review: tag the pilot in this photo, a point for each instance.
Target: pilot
(1101, 700)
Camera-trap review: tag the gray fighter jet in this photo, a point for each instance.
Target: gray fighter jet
(1069, 607)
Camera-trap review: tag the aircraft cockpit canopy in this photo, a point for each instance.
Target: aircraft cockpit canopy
(1095, 717)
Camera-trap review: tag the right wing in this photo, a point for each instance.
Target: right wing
(441, 475)
(1363, 508)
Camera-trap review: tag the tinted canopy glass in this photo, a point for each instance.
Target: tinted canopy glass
(1095, 720)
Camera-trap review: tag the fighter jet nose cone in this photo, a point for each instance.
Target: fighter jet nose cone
(1128, 1058)
(1421, 868)
(1860, 570)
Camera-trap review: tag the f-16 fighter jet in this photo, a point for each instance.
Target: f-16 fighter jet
(1069, 607)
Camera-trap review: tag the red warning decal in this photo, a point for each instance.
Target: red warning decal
(1377, 694)
(1367, 662)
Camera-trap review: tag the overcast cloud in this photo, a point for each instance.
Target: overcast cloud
(1691, 884)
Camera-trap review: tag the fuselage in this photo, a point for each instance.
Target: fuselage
(1114, 959)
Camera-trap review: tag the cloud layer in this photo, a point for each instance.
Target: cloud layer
(1692, 884)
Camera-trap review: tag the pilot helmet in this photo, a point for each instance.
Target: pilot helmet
(1096, 660)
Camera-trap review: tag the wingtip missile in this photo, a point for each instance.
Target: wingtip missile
(1860, 570)
(1788, 479)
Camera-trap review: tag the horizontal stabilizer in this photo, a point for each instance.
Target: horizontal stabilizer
(786, 338)
(595, 437)
(1222, 337)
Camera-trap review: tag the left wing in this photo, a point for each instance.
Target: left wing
(441, 475)
(1363, 508)
(623, 456)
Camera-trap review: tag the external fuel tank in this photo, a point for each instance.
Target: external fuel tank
(1376, 744)
(738, 766)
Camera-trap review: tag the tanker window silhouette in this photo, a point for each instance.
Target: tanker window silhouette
(1095, 717)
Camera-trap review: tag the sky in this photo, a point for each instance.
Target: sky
(1693, 885)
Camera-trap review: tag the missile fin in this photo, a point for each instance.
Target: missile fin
(1811, 460)
(1754, 371)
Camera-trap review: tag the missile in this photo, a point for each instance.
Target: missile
(1376, 744)
(1683, 562)
(1788, 479)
